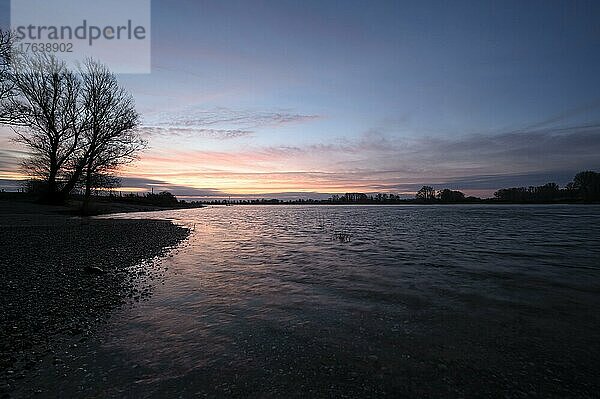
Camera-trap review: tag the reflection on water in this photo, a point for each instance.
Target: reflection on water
(279, 301)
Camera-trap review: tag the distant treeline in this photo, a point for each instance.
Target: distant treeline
(163, 198)
(585, 187)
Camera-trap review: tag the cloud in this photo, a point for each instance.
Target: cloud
(191, 193)
(10, 160)
(370, 163)
(218, 123)
(492, 182)
(161, 185)
(533, 151)
(187, 132)
(183, 191)
(225, 118)
(376, 162)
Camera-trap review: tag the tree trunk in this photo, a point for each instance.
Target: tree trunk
(52, 195)
(88, 189)
(73, 179)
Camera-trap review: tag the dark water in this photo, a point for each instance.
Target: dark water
(415, 301)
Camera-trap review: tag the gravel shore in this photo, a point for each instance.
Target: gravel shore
(61, 276)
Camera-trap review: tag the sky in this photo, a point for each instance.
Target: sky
(295, 99)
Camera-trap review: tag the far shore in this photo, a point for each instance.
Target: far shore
(106, 205)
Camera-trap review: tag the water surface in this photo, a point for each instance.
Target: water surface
(271, 301)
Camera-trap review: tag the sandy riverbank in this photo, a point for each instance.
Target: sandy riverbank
(50, 294)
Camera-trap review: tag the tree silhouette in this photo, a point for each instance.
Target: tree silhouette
(447, 195)
(47, 115)
(78, 127)
(587, 183)
(111, 139)
(6, 86)
(426, 193)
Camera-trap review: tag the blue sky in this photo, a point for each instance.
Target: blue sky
(339, 96)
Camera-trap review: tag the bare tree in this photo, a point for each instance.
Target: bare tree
(48, 117)
(112, 139)
(587, 183)
(6, 86)
(426, 193)
(79, 127)
(447, 195)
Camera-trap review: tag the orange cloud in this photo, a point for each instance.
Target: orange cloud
(255, 171)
